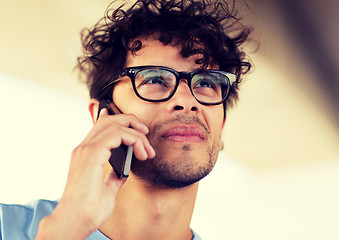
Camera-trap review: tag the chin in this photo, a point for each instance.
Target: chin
(177, 172)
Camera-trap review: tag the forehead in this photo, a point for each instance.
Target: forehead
(153, 52)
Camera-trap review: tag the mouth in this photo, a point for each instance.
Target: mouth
(184, 134)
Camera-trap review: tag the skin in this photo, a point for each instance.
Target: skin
(94, 198)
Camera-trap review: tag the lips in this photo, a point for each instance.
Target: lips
(184, 134)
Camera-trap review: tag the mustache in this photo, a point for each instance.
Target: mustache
(188, 120)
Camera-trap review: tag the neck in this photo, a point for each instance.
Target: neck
(142, 212)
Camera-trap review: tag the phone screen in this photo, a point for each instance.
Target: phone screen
(121, 157)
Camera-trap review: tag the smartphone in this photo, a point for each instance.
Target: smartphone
(121, 157)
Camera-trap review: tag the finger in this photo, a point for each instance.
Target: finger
(114, 137)
(150, 151)
(126, 120)
(141, 147)
(144, 151)
(107, 121)
(132, 121)
(113, 181)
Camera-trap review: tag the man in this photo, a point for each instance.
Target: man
(171, 70)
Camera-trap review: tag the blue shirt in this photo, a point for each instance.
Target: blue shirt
(22, 221)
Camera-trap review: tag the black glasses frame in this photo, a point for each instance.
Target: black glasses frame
(131, 72)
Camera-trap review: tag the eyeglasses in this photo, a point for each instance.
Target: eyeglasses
(159, 84)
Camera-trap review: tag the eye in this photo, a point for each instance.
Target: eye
(154, 80)
(205, 83)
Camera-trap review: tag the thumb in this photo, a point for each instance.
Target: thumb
(103, 112)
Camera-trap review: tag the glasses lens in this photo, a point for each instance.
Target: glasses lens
(155, 84)
(210, 87)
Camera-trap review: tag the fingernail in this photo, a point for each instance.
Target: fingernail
(151, 152)
(145, 128)
(103, 112)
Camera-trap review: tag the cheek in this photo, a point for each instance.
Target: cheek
(121, 94)
(125, 98)
(129, 103)
(216, 127)
(149, 113)
(215, 119)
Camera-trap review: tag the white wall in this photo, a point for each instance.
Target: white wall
(39, 128)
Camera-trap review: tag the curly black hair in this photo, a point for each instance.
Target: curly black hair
(194, 26)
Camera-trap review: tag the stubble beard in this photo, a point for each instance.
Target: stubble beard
(184, 171)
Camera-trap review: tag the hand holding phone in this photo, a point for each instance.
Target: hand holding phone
(121, 157)
(89, 196)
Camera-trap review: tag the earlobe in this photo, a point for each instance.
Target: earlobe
(93, 107)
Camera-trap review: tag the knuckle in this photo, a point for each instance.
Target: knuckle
(83, 149)
(140, 139)
(75, 151)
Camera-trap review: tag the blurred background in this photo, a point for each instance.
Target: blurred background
(278, 175)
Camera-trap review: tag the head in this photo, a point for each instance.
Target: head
(184, 36)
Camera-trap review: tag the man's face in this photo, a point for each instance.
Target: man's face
(185, 135)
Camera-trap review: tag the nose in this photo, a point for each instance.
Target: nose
(183, 100)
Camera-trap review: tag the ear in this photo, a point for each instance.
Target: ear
(93, 107)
